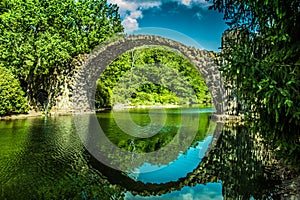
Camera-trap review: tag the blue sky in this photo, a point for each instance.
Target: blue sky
(187, 21)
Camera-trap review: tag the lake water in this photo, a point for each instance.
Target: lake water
(174, 153)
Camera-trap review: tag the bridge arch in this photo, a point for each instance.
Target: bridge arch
(85, 81)
(198, 176)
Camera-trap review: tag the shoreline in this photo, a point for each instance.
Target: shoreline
(121, 107)
(66, 112)
(226, 119)
(30, 114)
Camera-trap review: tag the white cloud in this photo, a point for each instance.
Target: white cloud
(130, 24)
(201, 3)
(124, 5)
(132, 10)
(136, 14)
(186, 2)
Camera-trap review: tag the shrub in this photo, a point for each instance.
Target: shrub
(12, 99)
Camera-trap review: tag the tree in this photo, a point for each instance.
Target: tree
(166, 66)
(12, 99)
(261, 49)
(39, 38)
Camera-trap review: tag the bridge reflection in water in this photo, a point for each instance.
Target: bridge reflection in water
(234, 166)
(44, 158)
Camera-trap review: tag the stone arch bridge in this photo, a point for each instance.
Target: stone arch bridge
(85, 80)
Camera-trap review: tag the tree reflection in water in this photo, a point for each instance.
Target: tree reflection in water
(45, 159)
(238, 160)
(242, 163)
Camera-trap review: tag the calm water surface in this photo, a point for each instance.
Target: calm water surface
(44, 158)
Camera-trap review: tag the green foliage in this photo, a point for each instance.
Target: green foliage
(163, 138)
(137, 86)
(262, 53)
(102, 96)
(174, 80)
(39, 38)
(12, 100)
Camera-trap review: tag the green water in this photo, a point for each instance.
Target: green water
(46, 158)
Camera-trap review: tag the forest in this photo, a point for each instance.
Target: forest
(261, 53)
(38, 41)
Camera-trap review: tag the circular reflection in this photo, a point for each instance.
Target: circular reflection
(108, 153)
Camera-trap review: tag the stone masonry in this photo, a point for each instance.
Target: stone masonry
(85, 80)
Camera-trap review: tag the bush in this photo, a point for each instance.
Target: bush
(102, 96)
(12, 100)
(169, 99)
